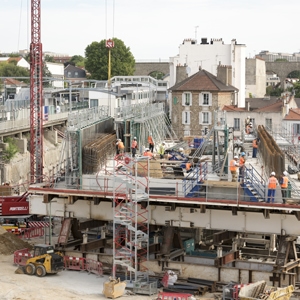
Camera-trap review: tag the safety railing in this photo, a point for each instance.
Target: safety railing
(255, 181)
(194, 180)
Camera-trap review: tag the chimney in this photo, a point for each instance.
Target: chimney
(180, 73)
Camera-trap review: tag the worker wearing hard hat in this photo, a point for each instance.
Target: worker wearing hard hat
(284, 186)
(134, 147)
(242, 167)
(272, 183)
(161, 150)
(148, 153)
(151, 142)
(233, 165)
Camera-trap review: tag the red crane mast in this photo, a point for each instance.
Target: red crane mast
(36, 94)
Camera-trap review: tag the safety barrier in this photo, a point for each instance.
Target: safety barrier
(173, 296)
(83, 264)
(95, 267)
(21, 256)
(17, 231)
(75, 263)
(29, 233)
(38, 224)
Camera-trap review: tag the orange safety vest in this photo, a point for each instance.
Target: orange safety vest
(232, 165)
(188, 166)
(285, 182)
(242, 161)
(134, 144)
(148, 153)
(272, 183)
(150, 140)
(121, 145)
(254, 144)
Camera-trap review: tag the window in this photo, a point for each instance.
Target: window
(93, 103)
(268, 123)
(187, 99)
(296, 128)
(186, 117)
(205, 99)
(76, 74)
(236, 124)
(69, 74)
(205, 117)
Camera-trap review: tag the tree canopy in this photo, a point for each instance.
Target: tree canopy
(11, 70)
(122, 60)
(78, 61)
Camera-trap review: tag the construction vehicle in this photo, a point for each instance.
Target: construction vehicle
(44, 261)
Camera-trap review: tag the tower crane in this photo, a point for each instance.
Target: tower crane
(36, 94)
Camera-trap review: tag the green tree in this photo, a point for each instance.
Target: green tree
(122, 60)
(157, 74)
(296, 88)
(11, 70)
(49, 58)
(10, 150)
(78, 61)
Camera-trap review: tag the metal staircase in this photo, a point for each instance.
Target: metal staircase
(254, 184)
(131, 227)
(193, 183)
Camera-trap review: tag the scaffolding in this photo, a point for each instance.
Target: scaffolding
(141, 120)
(131, 215)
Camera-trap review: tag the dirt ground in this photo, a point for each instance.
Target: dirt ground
(73, 285)
(64, 285)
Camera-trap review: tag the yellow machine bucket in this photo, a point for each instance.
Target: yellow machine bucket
(259, 290)
(113, 288)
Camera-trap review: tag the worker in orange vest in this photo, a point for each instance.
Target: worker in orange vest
(151, 142)
(242, 167)
(134, 146)
(148, 153)
(272, 183)
(121, 147)
(254, 146)
(284, 186)
(188, 166)
(233, 165)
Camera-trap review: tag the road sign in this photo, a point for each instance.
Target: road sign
(110, 43)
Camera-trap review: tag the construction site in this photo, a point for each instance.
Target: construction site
(177, 226)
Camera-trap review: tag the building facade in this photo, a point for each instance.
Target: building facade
(207, 56)
(194, 101)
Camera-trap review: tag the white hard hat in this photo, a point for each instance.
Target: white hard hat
(147, 149)
(285, 173)
(180, 149)
(163, 142)
(273, 174)
(236, 156)
(134, 138)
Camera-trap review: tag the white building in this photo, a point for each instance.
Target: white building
(207, 56)
(57, 71)
(255, 78)
(21, 62)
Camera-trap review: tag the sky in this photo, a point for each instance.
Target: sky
(153, 29)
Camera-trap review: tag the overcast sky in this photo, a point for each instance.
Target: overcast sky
(152, 29)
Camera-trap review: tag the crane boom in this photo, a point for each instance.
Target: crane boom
(36, 93)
